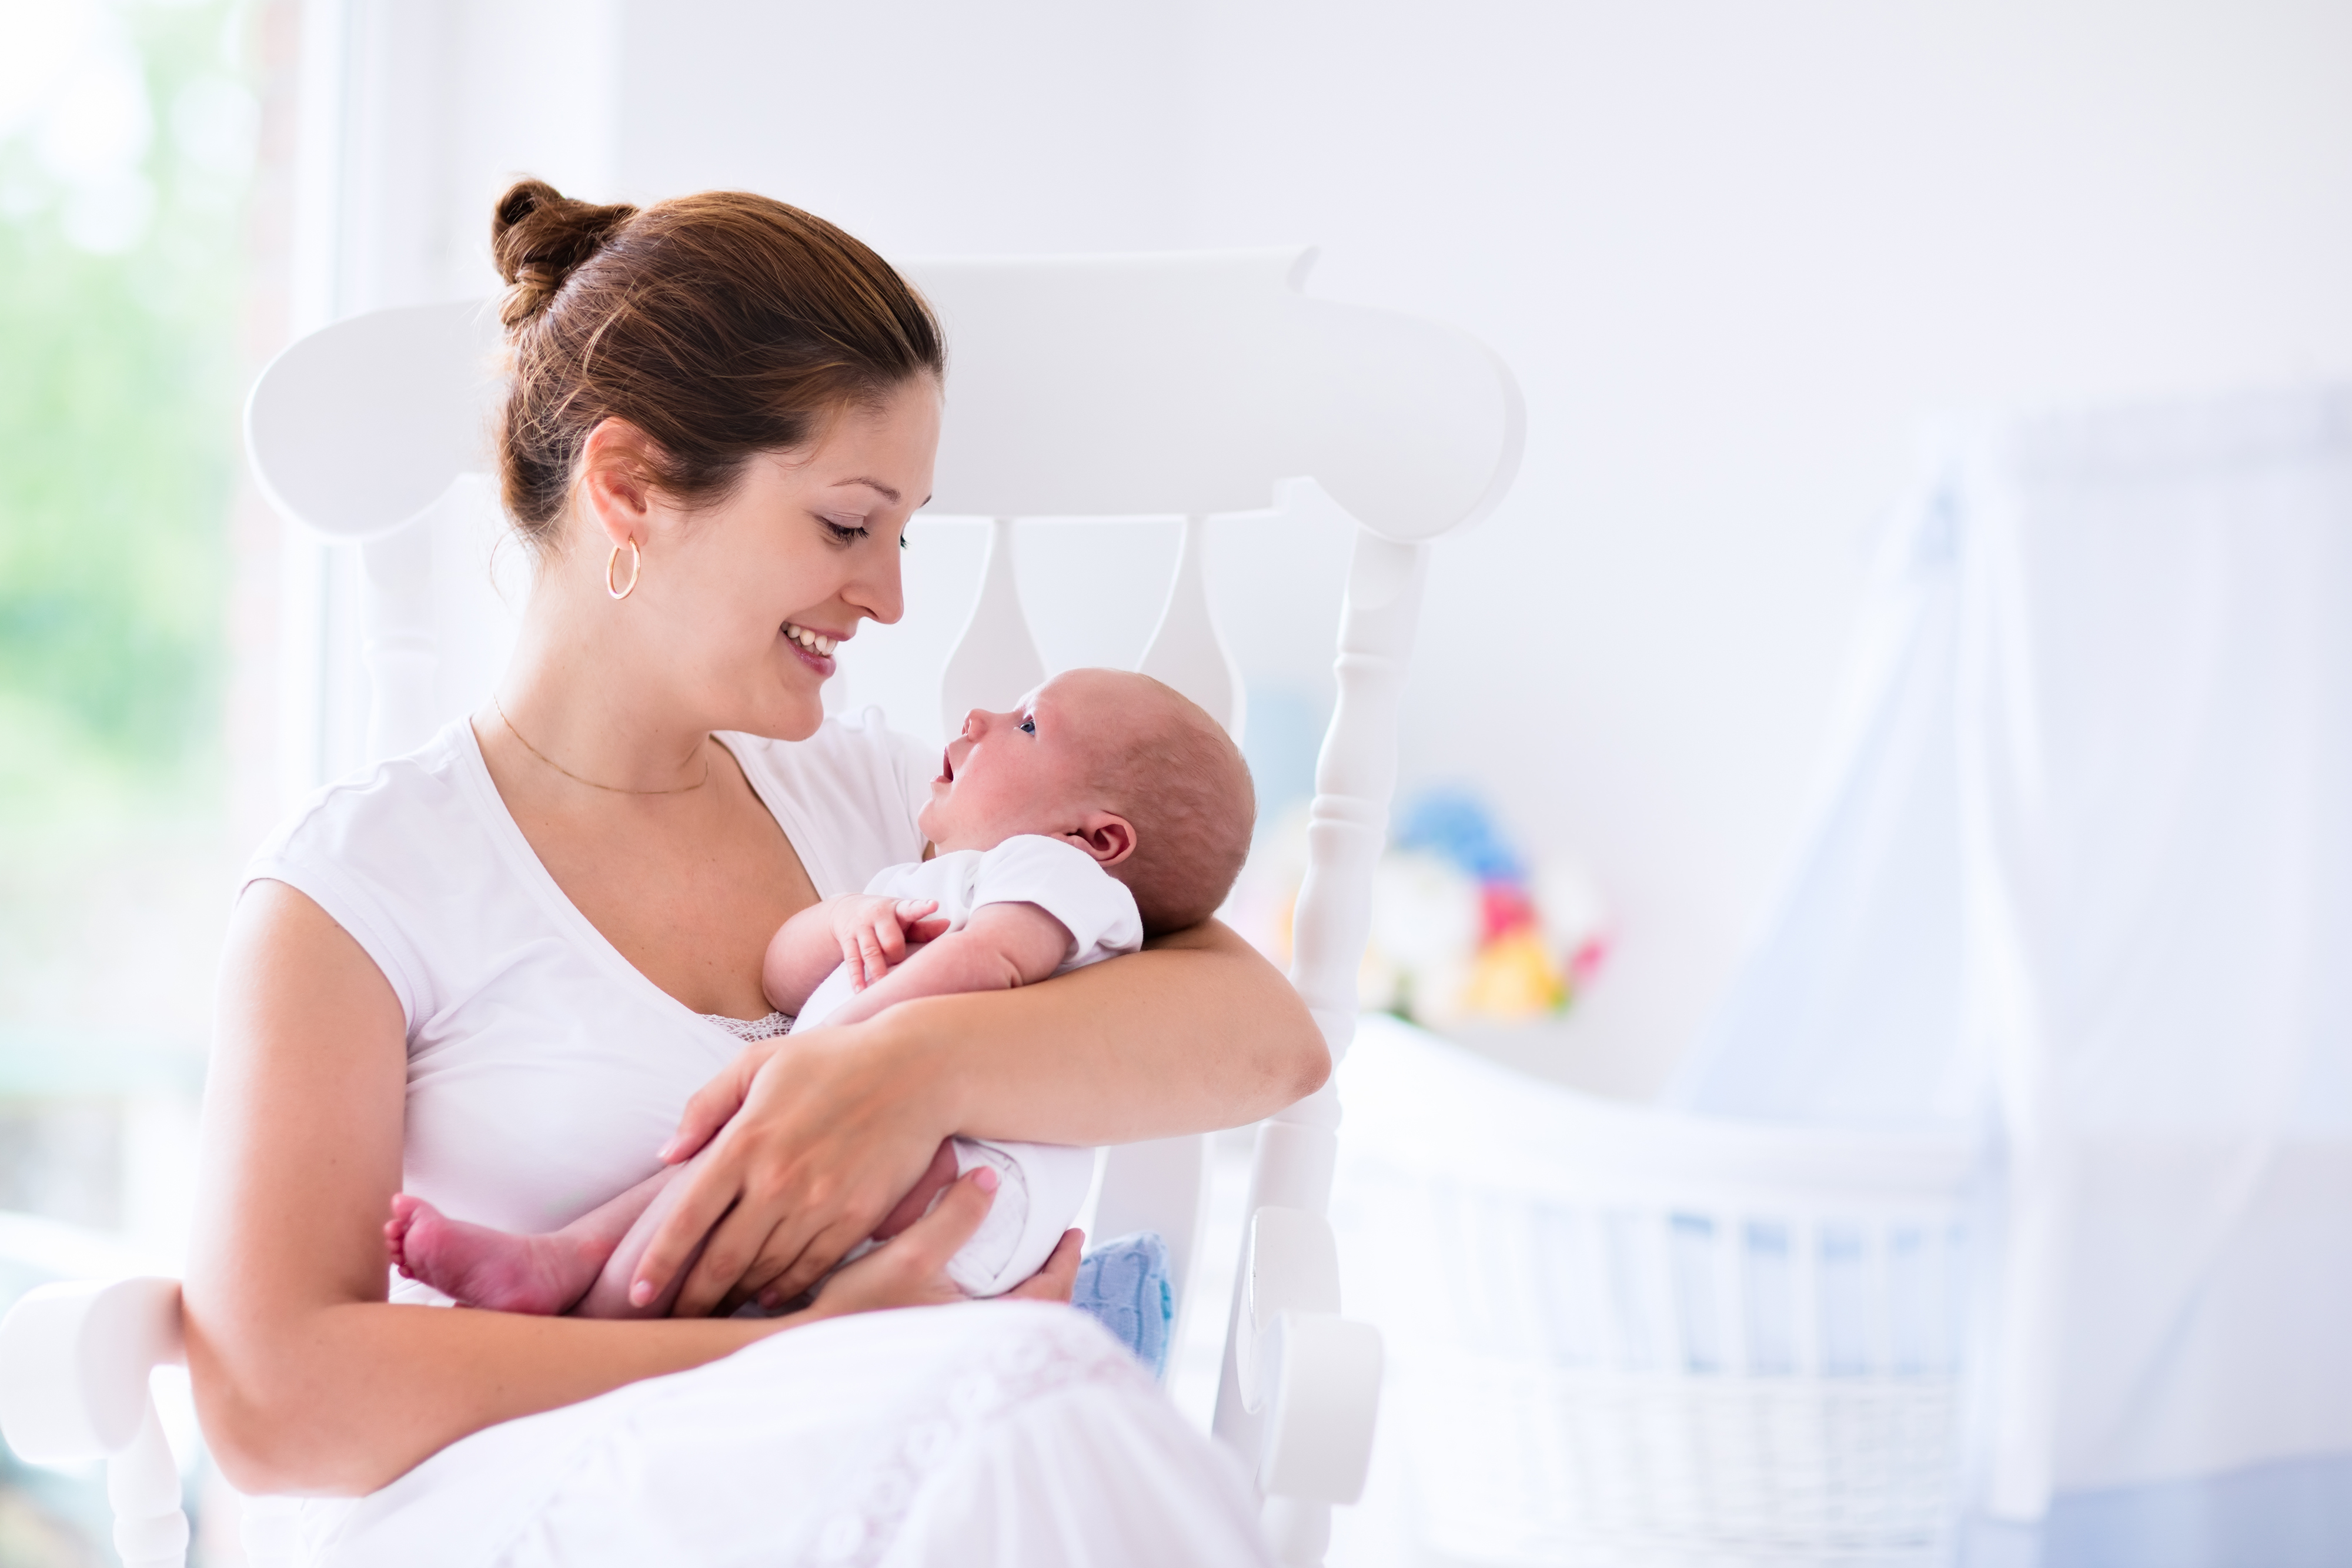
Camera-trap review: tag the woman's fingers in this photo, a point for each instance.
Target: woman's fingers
(718, 1277)
(831, 1133)
(911, 1270)
(777, 1276)
(789, 1259)
(916, 1201)
(1058, 1278)
(922, 1256)
(932, 1240)
(705, 1197)
(712, 1105)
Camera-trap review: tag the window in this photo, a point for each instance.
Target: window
(132, 624)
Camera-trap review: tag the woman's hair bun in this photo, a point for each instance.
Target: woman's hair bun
(539, 236)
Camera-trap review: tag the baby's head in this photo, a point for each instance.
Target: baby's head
(1118, 764)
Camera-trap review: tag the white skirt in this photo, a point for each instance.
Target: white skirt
(1015, 1434)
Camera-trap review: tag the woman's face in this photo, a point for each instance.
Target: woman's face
(750, 596)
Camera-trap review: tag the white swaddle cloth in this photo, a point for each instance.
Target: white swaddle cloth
(1041, 1186)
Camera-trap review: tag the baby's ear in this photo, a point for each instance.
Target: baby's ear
(1108, 837)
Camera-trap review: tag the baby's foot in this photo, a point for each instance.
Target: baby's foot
(918, 1201)
(478, 1267)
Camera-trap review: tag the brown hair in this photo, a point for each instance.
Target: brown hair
(1181, 779)
(722, 326)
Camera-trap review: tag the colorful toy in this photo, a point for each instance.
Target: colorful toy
(1463, 931)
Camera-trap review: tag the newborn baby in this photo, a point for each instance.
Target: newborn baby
(1106, 809)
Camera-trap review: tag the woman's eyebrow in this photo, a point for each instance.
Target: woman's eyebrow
(886, 492)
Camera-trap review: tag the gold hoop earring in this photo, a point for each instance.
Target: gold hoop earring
(637, 568)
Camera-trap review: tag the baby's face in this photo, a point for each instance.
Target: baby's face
(1032, 769)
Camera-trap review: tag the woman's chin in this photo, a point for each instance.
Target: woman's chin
(793, 716)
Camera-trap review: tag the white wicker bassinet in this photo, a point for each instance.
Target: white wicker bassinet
(1626, 1338)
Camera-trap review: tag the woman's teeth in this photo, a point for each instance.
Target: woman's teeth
(814, 642)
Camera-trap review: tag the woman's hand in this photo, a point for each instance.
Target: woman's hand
(1057, 1278)
(812, 1137)
(911, 1269)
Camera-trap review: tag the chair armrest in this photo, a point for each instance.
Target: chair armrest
(73, 1363)
(1313, 1376)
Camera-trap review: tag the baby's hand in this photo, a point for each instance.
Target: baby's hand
(873, 931)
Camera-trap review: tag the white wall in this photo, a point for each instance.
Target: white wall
(1735, 254)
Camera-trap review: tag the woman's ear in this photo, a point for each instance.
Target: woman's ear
(615, 488)
(1109, 839)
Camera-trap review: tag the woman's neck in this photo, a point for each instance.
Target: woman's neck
(587, 710)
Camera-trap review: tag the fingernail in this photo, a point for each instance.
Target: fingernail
(641, 1292)
(985, 1180)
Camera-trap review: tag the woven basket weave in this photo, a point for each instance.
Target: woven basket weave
(1679, 1365)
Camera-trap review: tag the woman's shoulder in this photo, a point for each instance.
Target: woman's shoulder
(847, 795)
(387, 850)
(393, 805)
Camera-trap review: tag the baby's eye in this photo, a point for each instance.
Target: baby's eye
(1029, 726)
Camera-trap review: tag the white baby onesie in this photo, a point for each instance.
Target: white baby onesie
(1040, 1186)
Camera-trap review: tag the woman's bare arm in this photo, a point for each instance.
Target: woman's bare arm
(816, 1134)
(306, 1379)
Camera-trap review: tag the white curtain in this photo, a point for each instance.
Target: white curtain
(2082, 877)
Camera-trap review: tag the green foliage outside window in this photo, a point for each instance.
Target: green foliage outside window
(121, 190)
(127, 132)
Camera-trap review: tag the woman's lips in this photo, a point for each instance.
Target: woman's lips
(813, 648)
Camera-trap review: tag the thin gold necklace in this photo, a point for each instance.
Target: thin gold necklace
(608, 789)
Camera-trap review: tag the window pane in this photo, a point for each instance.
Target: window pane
(128, 135)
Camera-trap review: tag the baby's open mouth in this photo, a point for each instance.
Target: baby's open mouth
(947, 767)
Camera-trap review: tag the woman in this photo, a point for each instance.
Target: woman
(495, 972)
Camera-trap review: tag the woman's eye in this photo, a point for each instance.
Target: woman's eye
(1028, 727)
(844, 533)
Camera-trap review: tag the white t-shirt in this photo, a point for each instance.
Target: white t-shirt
(1059, 878)
(544, 1068)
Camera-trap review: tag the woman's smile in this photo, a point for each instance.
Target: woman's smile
(815, 648)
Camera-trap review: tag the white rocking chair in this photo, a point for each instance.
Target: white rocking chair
(1091, 387)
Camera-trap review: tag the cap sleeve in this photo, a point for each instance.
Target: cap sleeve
(1064, 882)
(350, 850)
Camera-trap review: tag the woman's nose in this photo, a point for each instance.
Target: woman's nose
(880, 594)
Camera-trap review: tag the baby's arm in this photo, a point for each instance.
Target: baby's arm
(1000, 947)
(865, 929)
